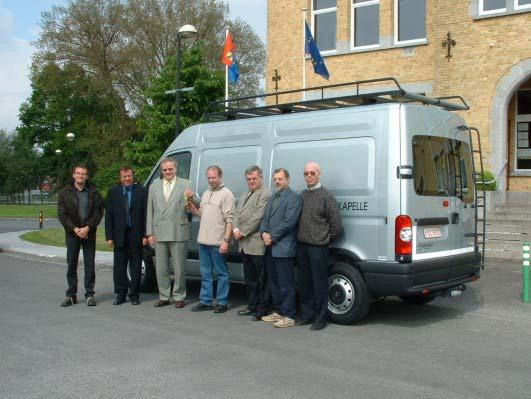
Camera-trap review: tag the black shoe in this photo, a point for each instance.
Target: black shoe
(160, 303)
(303, 322)
(318, 326)
(246, 312)
(135, 301)
(220, 308)
(200, 307)
(91, 301)
(69, 301)
(119, 300)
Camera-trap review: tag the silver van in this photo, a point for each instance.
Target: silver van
(401, 168)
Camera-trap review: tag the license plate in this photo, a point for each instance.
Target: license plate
(432, 232)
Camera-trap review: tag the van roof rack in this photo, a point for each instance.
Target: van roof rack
(341, 95)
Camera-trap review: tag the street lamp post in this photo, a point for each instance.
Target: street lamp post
(71, 137)
(58, 152)
(186, 34)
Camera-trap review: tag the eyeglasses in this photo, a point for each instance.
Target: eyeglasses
(310, 173)
(167, 170)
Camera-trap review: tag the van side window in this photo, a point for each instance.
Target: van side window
(465, 190)
(183, 159)
(433, 167)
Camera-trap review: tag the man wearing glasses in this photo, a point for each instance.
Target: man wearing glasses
(319, 224)
(168, 230)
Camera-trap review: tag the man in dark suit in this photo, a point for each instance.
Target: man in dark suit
(80, 209)
(279, 233)
(125, 230)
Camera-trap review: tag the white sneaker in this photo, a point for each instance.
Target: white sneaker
(284, 322)
(271, 318)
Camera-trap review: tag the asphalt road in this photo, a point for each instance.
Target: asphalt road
(474, 346)
(9, 225)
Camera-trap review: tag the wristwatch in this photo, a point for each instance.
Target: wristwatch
(226, 240)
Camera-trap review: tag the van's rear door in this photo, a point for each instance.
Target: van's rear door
(462, 218)
(430, 203)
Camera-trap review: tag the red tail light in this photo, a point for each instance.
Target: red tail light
(403, 238)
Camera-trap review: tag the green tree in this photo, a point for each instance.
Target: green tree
(66, 99)
(127, 43)
(156, 123)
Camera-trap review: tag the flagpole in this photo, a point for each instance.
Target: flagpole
(226, 74)
(304, 9)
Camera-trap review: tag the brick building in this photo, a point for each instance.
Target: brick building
(489, 63)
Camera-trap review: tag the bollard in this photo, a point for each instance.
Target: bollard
(525, 273)
(41, 219)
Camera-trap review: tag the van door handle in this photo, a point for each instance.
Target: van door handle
(455, 217)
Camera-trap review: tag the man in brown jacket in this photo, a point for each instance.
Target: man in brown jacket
(80, 209)
(247, 218)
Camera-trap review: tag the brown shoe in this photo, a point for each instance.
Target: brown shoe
(160, 303)
(179, 304)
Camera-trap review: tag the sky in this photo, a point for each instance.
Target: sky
(19, 27)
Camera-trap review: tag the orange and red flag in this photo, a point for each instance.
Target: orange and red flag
(228, 51)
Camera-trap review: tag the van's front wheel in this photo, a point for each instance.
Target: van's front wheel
(148, 278)
(348, 298)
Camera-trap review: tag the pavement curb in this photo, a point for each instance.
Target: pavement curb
(11, 243)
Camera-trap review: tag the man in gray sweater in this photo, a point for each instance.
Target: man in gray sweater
(319, 224)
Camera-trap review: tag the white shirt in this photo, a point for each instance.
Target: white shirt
(168, 187)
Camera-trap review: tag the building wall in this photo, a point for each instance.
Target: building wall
(486, 49)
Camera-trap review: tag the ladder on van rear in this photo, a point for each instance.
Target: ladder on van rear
(480, 210)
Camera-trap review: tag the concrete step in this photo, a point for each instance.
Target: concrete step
(502, 254)
(507, 228)
(515, 246)
(513, 209)
(509, 215)
(493, 219)
(508, 236)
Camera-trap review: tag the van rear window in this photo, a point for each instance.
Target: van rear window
(442, 167)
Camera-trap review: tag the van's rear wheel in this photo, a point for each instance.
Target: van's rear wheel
(418, 299)
(348, 298)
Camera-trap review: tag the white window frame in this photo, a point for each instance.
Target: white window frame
(323, 11)
(521, 7)
(353, 26)
(490, 12)
(413, 41)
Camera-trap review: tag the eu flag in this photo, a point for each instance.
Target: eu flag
(310, 48)
(234, 71)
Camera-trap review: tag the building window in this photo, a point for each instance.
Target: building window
(324, 24)
(492, 6)
(410, 21)
(522, 4)
(365, 23)
(523, 130)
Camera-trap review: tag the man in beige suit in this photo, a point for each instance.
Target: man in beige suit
(168, 229)
(248, 215)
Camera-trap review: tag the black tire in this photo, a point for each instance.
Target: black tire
(418, 299)
(348, 297)
(148, 277)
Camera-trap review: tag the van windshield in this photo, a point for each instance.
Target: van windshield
(442, 167)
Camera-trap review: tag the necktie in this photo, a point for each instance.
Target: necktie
(128, 203)
(167, 190)
(247, 197)
(275, 200)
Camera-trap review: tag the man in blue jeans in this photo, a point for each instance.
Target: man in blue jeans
(216, 211)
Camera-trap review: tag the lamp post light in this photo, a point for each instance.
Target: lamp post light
(187, 34)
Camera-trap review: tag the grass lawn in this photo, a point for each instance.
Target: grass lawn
(28, 211)
(56, 237)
